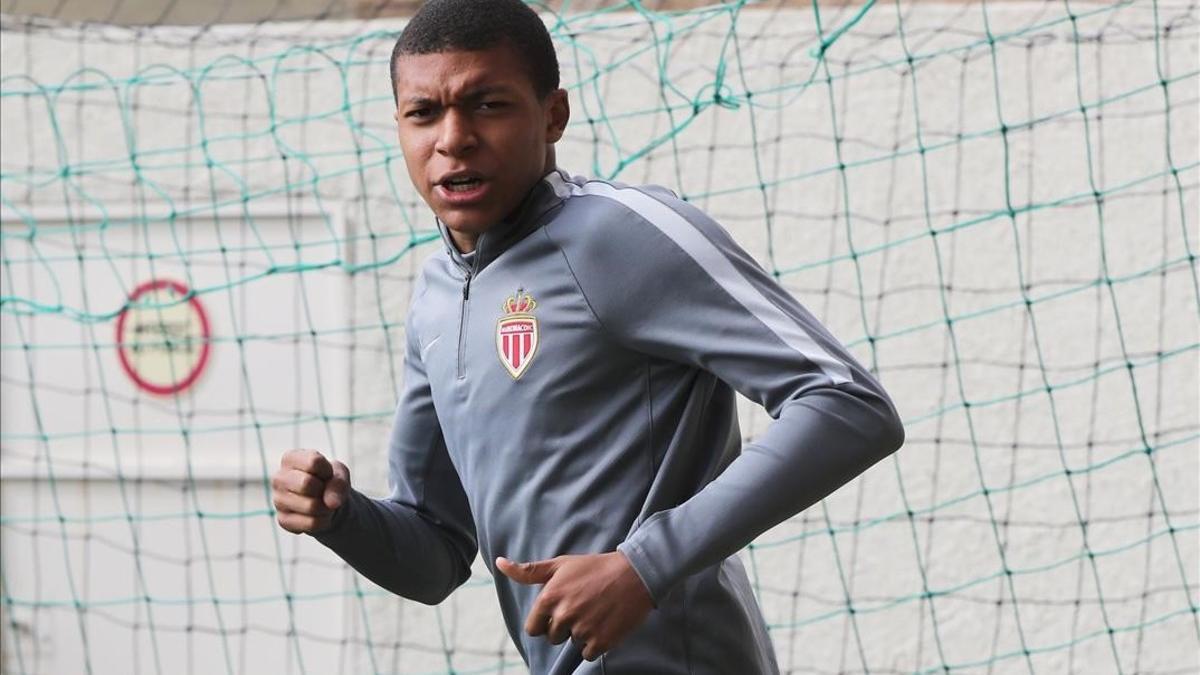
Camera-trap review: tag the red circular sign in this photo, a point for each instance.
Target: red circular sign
(163, 337)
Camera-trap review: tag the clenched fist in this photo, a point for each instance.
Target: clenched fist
(307, 489)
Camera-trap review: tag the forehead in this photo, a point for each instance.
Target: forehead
(452, 72)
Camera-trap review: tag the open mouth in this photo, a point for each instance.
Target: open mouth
(462, 188)
(462, 184)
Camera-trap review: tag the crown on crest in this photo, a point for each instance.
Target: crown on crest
(521, 303)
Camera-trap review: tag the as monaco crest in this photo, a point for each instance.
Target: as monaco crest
(517, 333)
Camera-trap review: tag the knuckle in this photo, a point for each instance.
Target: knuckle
(315, 507)
(534, 623)
(303, 521)
(306, 459)
(300, 507)
(306, 483)
(287, 522)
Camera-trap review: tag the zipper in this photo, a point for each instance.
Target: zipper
(462, 326)
(465, 310)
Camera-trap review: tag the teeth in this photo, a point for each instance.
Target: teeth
(461, 184)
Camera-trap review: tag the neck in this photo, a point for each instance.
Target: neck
(464, 241)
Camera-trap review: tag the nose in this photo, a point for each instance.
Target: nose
(457, 134)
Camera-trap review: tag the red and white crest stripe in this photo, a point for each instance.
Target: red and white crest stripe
(517, 341)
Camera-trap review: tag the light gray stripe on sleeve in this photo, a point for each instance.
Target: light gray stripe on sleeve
(709, 257)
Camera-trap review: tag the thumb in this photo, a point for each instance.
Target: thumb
(538, 572)
(337, 486)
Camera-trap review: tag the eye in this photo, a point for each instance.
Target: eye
(492, 105)
(419, 114)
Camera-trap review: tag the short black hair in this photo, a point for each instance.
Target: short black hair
(476, 25)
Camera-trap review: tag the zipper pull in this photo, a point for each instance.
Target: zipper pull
(467, 288)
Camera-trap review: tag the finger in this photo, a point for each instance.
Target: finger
(538, 572)
(580, 636)
(341, 471)
(311, 461)
(303, 483)
(337, 487)
(288, 458)
(298, 523)
(540, 615)
(288, 481)
(537, 623)
(294, 503)
(590, 651)
(560, 630)
(320, 466)
(297, 458)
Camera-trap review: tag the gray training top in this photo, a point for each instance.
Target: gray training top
(571, 390)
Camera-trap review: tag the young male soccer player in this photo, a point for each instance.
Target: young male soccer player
(568, 396)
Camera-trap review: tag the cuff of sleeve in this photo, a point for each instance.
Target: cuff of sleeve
(639, 549)
(641, 566)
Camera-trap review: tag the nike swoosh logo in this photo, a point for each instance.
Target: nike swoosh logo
(425, 349)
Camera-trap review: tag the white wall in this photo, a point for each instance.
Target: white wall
(280, 125)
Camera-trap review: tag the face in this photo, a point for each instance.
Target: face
(475, 135)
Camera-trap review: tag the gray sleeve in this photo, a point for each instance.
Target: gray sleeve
(419, 541)
(665, 279)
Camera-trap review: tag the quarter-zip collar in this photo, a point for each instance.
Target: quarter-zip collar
(496, 239)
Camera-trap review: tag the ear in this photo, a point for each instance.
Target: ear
(558, 113)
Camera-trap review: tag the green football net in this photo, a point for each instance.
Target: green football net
(209, 241)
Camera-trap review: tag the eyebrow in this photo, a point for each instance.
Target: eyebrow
(472, 94)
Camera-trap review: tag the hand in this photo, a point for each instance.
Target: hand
(307, 489)
(596, 600)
